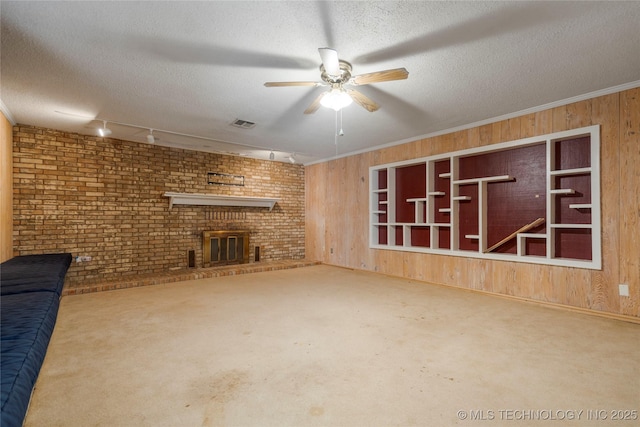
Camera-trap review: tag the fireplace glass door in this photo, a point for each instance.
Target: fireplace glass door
(225, 247)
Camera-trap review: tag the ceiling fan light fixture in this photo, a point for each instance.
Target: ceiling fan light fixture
(336, 99)
(104, 130)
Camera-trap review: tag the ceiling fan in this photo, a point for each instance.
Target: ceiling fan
(336, 73)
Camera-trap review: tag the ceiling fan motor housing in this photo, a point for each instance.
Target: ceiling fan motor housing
(342, 78)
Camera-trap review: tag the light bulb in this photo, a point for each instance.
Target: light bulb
(104, 130)
(336, 99)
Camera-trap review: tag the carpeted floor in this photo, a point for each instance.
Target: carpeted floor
(325, 346)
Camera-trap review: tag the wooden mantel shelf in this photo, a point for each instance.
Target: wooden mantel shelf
(214, 200)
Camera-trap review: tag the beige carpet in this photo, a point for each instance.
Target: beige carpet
(324, 346)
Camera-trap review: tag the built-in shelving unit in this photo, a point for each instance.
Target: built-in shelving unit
(214, 200)
(533, 200)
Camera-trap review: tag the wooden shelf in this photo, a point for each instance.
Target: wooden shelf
(571, 226)
(580, 206)
(497, 178)
(563, 191)
(461, 198)
(576, 171)
(436, 193)
(445, 175)
(215, 200)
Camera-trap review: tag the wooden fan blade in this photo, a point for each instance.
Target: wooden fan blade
(282, 84)
(380, 76)
(363, 101)
(330, 61)
(315, 104)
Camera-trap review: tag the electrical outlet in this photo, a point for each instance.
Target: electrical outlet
(623, 290)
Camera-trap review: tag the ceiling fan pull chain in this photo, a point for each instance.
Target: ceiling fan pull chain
(341, 132)
(335, 134)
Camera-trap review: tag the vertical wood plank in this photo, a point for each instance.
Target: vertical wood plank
(604, 291)
(496, 133)
(441, 144)
(460, 140)
(510, 129)
(315, 197)
(528, 126)
(473, 136)
(359, 208)
(6, 189)
(544, 122)
(630, 199)
(579, 114)
(578, 284)
(559, 119)
(485, 135)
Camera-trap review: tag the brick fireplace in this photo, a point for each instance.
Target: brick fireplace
(104, 198)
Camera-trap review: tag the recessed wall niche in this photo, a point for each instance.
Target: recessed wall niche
(532, 200)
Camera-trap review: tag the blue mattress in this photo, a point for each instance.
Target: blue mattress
(30, 288)
(27, 324)
(34, 273)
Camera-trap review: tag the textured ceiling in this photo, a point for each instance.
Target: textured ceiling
(194, 67)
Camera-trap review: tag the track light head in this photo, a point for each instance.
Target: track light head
(104, 130)
(292, 159)
(150, 138)
(272, 156)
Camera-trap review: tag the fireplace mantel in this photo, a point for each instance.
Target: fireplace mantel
(214, 200)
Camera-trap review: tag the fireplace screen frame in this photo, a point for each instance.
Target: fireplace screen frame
(224, 255)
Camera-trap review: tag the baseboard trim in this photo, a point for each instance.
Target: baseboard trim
(548, 304)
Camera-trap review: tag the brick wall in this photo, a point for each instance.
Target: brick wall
(103, 198)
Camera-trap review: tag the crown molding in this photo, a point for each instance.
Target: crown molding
(7, 113)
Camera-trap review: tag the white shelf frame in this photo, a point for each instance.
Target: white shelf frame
(425, 208)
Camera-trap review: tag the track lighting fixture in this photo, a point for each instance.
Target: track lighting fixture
(104, 130)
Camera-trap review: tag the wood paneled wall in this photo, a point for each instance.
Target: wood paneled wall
(6, 189)
(337, 218)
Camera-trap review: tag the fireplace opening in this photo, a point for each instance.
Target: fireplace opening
(225, 247)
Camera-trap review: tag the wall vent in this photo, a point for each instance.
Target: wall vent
(243, 124)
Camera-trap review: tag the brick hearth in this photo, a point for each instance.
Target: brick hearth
(180, 276)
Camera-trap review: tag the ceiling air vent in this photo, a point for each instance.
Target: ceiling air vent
(243, 124)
